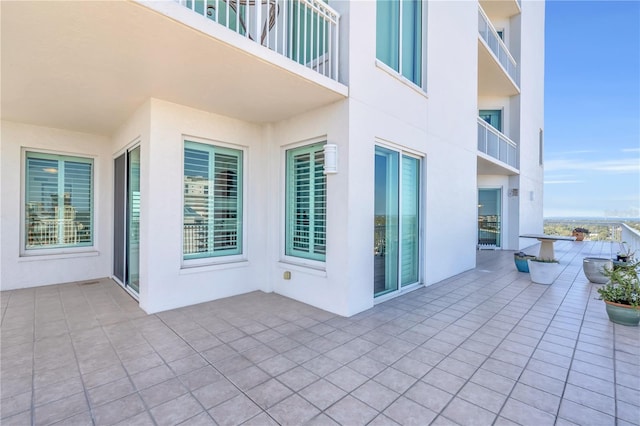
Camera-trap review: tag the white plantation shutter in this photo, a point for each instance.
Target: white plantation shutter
(59, 201)
(410, 219)
(306, 203)
(212, 223)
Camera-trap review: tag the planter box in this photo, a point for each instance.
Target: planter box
(544, 272)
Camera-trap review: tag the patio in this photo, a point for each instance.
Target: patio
(484, 347)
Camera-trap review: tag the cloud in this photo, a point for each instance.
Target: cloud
(556, 182)
(625, 165)
(630, 150)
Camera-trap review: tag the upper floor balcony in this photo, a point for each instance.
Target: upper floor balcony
(498, 153)
(498, 71)
(501, 9)
(87, 66)
(305, 31)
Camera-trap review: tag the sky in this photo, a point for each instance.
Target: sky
(592, 109)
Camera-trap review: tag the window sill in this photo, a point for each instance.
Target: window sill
(39, 255)
(402, 79)
(209, 267)
(315, 268)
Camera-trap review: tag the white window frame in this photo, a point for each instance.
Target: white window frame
(224, 259)
(422, 87)
(403, 150)
(57, 252)
(319, 265)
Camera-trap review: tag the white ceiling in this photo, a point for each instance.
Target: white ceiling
(487, 166)
(492, 79)
(88, 65)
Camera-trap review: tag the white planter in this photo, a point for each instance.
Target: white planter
(544, 272)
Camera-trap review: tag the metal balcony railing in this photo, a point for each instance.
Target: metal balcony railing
(305, 31)
(495, 144)
(497, 46)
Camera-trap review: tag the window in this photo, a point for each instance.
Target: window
(306, 198)
(399, 36)
(493, 117)
(212, 221)
(59, 201)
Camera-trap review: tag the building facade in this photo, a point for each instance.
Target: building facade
(337, 153)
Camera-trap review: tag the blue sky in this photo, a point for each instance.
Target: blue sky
(592, 109)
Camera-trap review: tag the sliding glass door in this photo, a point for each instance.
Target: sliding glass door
(396, 221)
(489, 217)
(126, 226)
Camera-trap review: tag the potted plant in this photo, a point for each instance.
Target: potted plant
(593, 268)
(544, 271)
(621, 294)
(625, 254)
(580, 233)
(520, 258)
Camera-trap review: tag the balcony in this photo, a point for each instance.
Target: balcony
(499, 74)
(525, 344)
(87, 66)
(501, 9)
(305, 31)
(495, 145)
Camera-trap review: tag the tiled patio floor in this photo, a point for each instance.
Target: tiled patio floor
(484, 347)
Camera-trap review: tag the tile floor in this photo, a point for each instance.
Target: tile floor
(484, 347)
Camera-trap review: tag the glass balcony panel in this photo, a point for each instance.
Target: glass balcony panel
(497, 145)
(497, 46)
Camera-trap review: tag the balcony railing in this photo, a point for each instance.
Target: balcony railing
(497, 145)
(497, 46)
(305, 31)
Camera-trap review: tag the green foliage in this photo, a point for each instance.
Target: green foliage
(623, 287)
(541, 260)
(601, 231)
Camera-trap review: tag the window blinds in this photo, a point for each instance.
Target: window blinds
(212, 222)
(306, 203)
(59, 201)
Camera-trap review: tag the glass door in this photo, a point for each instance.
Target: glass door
(126, 222)
(489, 217)
(396, 222)
(386, 222)
(133, 220)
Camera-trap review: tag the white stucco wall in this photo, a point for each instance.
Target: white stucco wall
(324, 285)
(437, 122)
(20, 271)
(532, 118)
(164, 281)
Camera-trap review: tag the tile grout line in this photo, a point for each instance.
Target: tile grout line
(242, 392)
(33, 363)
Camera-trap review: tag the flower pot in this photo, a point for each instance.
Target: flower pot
(623, 314)
(544, 272)
(593, 267)
(579, 235)
(520, 260)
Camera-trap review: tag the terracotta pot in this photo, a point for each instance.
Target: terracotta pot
(579, 235)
